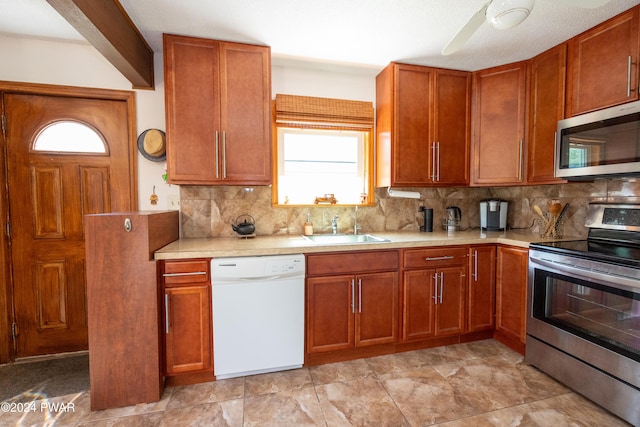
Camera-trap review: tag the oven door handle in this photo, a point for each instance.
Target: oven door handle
(609, 278)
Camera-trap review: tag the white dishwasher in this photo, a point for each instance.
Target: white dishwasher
(258, 314)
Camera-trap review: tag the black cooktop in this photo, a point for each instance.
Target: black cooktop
(623, 252)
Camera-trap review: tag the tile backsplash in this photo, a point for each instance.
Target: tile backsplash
(209, 211)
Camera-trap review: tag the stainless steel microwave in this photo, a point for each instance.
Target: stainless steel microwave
(599, 144)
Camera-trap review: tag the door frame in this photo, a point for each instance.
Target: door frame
(7, 346)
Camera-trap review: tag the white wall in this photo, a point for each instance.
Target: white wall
(77, 64)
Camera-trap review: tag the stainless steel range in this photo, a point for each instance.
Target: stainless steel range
(583, 325)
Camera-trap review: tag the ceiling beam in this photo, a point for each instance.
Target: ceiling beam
(106, 25)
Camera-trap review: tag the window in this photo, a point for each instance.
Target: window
(69, 137)
(324, 151)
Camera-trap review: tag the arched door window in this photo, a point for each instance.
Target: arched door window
(70, 137)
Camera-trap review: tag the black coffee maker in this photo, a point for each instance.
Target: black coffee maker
(427, 214)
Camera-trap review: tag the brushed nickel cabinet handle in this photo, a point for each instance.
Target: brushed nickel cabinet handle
(217, 147)
(475, 266)
(224, 155)
(441, 282)
(166, 313)
(438, 258)
(629, 63)
(433, 161)
(353, 295)
(191, 273)
(435, 288)
(521, 159)
(438, 158)
(359, 295)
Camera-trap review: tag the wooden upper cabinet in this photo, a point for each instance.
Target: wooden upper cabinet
(547, 76)
(452, 126)
(422, 126)
(218, 111)
(498, 125)
(603, 65)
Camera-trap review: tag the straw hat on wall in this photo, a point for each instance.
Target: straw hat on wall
(151, 144)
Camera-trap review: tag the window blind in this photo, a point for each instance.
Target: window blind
(323, 113)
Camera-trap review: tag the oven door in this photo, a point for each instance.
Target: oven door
(583, 309)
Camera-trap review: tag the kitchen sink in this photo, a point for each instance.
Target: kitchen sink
(341, 239)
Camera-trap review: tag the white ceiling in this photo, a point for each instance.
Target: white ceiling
(363, 33)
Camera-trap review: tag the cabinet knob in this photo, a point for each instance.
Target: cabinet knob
(127, 225)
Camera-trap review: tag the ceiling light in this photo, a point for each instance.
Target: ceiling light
(504, 14)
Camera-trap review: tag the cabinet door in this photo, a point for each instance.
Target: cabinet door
(377, 308)
(547, 73)
(245, 98)
(497, 143)
(412, 136)
(511, 290)
(481, 289)
(450, 304)
(452, 127)
(330, 313)
(188, 333)
(603, 65)
(192, 106)
(418, 304)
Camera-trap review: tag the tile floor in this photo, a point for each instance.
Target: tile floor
(474, 384)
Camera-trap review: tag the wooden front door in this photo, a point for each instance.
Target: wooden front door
(50, 189)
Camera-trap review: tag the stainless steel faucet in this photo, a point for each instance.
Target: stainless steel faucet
(334, 225)
(355, 222)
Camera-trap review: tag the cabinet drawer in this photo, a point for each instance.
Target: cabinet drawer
(187, 271)
(435, 257)
(352, 262)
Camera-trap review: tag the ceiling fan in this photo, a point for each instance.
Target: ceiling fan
(504, 14)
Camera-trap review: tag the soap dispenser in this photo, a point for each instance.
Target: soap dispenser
(308, 226)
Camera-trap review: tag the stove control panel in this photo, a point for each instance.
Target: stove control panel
(615, 216)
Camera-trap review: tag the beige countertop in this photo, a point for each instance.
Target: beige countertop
(290, 244)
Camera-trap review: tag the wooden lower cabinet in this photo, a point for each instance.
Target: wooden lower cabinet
(481, 288)
(434, 302)
(346, 311)
(434, 298)
(511, 295)
(187, 317)
(366, 303)
(188, 332)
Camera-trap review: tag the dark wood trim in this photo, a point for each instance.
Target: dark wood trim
(106, 25)
(7, 349)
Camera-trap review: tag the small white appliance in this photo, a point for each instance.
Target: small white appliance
(493, 215)
(258, 314)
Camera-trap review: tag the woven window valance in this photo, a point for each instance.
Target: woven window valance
(309, 111)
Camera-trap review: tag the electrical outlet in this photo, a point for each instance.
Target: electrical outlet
(173, 202)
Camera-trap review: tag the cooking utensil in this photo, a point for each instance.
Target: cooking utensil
(554, 212)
